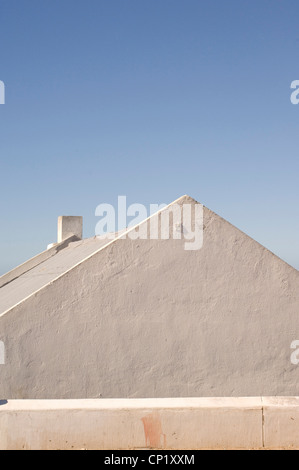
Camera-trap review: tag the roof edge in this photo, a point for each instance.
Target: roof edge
(35, 261)
(124, 233)
(119, 237)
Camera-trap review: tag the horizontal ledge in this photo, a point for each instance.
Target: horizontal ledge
(150, 423)
(132, 403)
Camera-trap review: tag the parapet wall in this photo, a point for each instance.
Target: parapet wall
(168, 423)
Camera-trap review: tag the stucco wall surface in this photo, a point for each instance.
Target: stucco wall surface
(146, 318)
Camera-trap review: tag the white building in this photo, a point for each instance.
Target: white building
(147, 318)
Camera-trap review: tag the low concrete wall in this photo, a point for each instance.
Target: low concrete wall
(281, 419)
(175, 423)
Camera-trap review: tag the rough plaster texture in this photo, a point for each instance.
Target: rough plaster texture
(147, 318)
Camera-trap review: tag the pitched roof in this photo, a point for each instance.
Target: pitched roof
(139, 318)
(41, 270)
(46, 271)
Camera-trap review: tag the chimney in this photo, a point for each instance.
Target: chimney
(68, 226)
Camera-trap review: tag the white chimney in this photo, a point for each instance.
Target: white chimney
(68, 226)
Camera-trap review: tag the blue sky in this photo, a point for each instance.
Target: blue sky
(152, 100)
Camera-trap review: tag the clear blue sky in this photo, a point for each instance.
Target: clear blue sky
(149, 99)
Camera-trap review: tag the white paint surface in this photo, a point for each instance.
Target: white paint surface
(69, 226)
(170, 423)
(132, 424)
(147, 318)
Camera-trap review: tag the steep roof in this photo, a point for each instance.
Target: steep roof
(148, 318)
(47, 270)
(44, 269)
